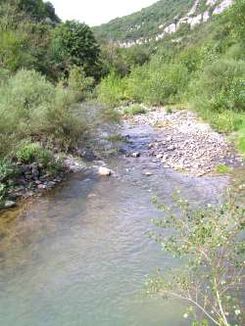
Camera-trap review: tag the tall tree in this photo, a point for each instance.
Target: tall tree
(73, 43)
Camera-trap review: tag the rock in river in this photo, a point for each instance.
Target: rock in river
(103, 171)
(135, 155)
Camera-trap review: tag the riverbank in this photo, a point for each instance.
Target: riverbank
(26, 180)
(180, 141)
(187, 144)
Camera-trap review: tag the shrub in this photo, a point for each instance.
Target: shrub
(79, 83)
(209, 244)
(111, 90)
(157, 83)
(6, 170)
(34, 152)
(221, 87)
(31, 107)
(226, 121)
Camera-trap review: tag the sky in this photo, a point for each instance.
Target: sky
(96, 12)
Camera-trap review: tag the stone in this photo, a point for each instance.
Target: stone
(171, 148)
(103, 171)
(148, 174)
(9, 204)
(90, 196)
(135, 155)
(41, 186)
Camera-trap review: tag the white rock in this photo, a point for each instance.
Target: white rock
(103, 171)
(148, 174)
(9, 204)
(136, 154)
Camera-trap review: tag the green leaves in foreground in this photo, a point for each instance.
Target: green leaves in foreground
(209, 242)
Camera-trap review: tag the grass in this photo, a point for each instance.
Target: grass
(223, 169)
(135, 110)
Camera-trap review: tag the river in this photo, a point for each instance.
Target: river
(79, 255)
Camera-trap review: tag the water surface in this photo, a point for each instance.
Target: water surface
(80, 254)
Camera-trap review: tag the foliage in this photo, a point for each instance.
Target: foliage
(12, 55)
(208, 242)
(30, 106)
(111, 90)
(203, 68)
(73, 43)
(157, 83)
(241, 142)
(38, 10)
(144, 23)
(221, 86)
(6, 170)
(79, 83)
(33, 152)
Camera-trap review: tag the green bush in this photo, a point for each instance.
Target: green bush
(31, 107)
(79, 83)
(34, 152)
(209, 245)
(157, 83)
(226, 121)
(111, 90)
(221, 87)
(6, 170)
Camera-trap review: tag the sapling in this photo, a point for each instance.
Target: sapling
(209, 244)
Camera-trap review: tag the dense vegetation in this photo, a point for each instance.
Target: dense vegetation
(144, 23)
(203, 69)
(45, 67)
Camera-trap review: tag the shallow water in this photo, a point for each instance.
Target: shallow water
(80, 254)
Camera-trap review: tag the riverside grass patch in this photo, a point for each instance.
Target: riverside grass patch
(134, 109)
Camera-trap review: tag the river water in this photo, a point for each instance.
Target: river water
(79, 255)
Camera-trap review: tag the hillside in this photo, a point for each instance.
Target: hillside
(162, 18)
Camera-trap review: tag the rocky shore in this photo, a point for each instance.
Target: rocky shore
(32, 180)
(185, 143)
(181, 142)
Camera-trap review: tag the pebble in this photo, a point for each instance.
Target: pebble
(136, 154)
(148, 174)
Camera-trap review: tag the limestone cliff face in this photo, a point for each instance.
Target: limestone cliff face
(194, 17)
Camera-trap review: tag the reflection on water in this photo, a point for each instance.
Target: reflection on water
(79, 255)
